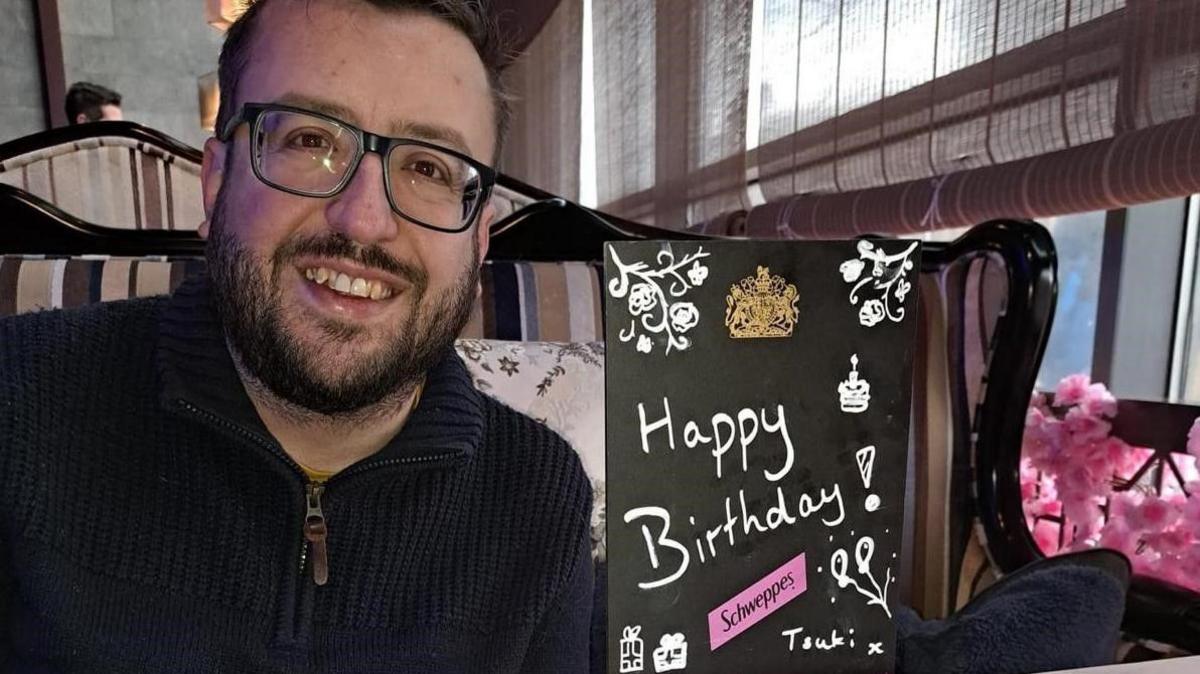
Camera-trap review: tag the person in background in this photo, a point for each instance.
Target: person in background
(87, 102)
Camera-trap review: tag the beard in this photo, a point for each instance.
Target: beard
(250, 305)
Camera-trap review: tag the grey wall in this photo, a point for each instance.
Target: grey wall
(151, 51)
(20, 79)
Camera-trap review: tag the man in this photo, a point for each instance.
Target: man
(87, 102)
(284, 467)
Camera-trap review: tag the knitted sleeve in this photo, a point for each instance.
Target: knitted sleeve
(561, 643)
(8, 390)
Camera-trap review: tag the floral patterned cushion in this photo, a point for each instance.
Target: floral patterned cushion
(560, 384)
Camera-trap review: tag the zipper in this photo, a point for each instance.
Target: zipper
(315, 532)
(258, 440)
(315, 529)
(294, 619)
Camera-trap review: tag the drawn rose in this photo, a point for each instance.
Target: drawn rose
(644, 344)
(851, 270)
(871, 313)
(642, 298)
(697, 273)
(684, 316)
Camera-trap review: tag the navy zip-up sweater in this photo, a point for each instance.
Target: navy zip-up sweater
(152, 524)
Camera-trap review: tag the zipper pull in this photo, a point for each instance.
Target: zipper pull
(315, 532)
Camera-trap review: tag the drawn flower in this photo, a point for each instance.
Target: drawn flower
(902, 288)
(509, 366)
(684, 316)
(851, 270)
(871, 313)
(642, 298)
(644, 344)
(697, 273)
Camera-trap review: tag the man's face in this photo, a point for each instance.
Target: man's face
(110, 113)
(325, 350)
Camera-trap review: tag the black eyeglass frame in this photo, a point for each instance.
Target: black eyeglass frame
(251, 114)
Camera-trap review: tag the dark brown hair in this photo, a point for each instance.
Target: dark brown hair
(86, 98)
(468, 16)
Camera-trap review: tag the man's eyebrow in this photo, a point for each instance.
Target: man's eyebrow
(434, 133)
(321, 105)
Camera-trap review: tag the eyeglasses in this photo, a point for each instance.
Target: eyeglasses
(314, 155)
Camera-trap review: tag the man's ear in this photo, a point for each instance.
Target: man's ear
(211, 174)
(483, 238)
(484, 229)
(81, 118)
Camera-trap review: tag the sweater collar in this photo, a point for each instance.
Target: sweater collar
(197, 371)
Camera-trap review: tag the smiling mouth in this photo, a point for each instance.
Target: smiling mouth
(349, 286)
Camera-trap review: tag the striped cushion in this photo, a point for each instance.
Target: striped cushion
(32, 284)
(113, 181)
(522, 301)
(539, 302)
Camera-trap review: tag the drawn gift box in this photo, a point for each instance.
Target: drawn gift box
(631, 649)
(671, 653)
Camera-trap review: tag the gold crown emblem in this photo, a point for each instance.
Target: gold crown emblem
(761, 306)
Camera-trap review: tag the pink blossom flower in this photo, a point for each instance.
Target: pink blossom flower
(1071, 390)
(1043, 440)
(1121, 505)
(1173, 542)
(1029, 480)
(1189, 567)
(1191, 508)
(1045, 534)
(1069, 468)
(1153, 515)
(1076, 483)
(1189, 468)
(1097, 401)
(1043, 508)
(1193, 441)
(1085, 514)
(1084, 427)
(1131, 461)
(1116, 536)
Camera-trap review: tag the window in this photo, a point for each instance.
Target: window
(1079, 240)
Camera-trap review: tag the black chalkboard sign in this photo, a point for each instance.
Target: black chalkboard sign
(757, 429)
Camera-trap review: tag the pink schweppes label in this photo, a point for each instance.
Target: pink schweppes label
(756, 602)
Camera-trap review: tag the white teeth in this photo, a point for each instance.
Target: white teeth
(347, 285)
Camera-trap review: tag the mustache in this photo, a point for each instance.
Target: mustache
(337, 246)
